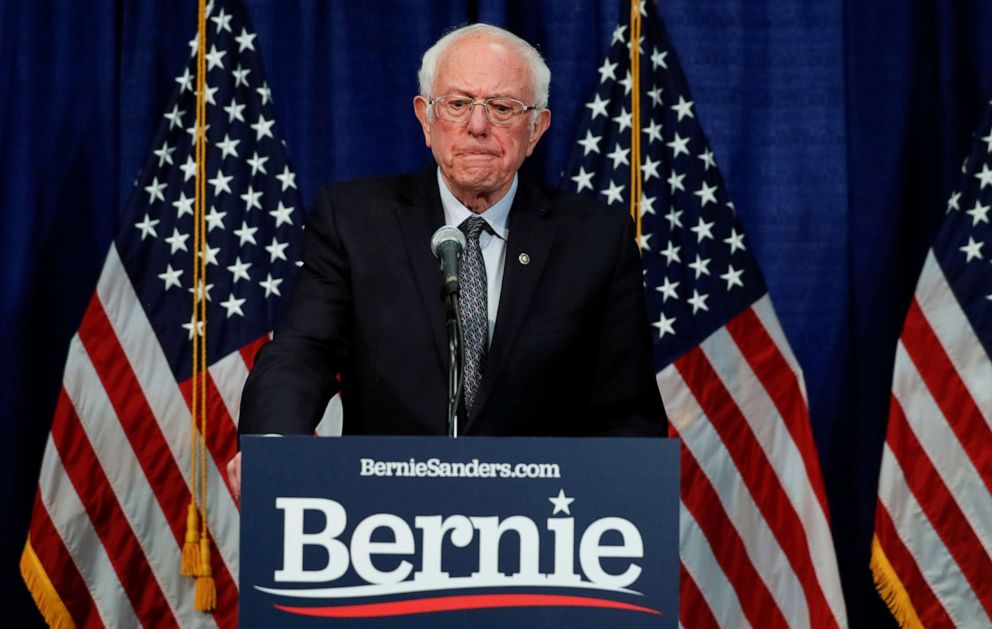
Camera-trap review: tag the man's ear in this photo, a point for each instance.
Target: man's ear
(541, 124)
(420, 111)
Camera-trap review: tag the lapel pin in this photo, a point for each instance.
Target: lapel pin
(524, 259)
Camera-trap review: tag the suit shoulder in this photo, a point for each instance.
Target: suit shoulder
(367, 193)
(569, 207)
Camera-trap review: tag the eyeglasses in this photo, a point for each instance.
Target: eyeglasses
(499, 111)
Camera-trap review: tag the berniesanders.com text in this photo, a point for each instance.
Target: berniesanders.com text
(436, 468)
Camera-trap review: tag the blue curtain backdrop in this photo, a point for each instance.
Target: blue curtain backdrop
(840, 127)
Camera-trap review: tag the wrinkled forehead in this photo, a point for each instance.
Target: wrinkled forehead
(483, 66)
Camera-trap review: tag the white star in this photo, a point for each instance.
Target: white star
(175, 117)
(561, 502)
(583, 179)
(147, 227)
(189, 327)
(674, 217)
(223, 21)
(208, 95)
(667, 289)
(736, 241)
(613, 193)
(276, 250)
(654, 132)
(282, 214)
(655, 95)
(985, 176)
(239, 270)
(211, 255)
(270, 285)
(252, 199)
(265, 93)
(703, 230)
(642, 242)
(263, 127)
(679, 145)
(988, 141)
(214, 58)
(246, 234)
(952, 203)
(257, 164)
(189, 168)
(193, 130)
(979, 213)
(649, 168)
(215, 219)
(671, 252)
(241, 75)
(700, 265)
(607, 71)
(228, 147)
(640, 45)
(647, 204)
(193, 45)
(183, 205)
(627, 83)
(233, 306)
(623, 119)
(617, 39)
(177, 241)
(683, 108)
(698, 301)
(972, 249)
(164, 154)
(155, 189)
(675, 181)
(619, 156)
(201, 293)
(598, 106)
(234, 111)
(706, 194)
(171, 277)
(707, 157)
(287, 177)
(590, 143)
(658, 59)
(664, 325)
(220, 183)
(733, 277)
(245, 40)
(185, 81)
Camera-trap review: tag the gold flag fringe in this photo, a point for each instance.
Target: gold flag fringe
(891, 588)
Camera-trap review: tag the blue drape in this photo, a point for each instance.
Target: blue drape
(839, 127)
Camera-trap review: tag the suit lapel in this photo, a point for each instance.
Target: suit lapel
(530, 238)
(418, 223)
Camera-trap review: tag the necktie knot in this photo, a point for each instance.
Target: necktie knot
(474, 226)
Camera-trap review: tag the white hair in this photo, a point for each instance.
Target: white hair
(539, 73)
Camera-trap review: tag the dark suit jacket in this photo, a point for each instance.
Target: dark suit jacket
(570, 353)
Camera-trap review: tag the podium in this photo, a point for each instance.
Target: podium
(477, 531)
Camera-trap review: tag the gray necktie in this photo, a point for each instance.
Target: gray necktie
(473, 307)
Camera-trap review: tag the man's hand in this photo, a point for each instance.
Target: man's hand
(234, 475)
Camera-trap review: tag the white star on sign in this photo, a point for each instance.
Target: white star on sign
(732, 277)
(246, 234)
(698, 301)
(613, 193)
(700, 265)
(985, 176)
(972, 249)
(287, 177)
(664, 325)
(177, 241)
(672, 253)
(233, 306)
(214, 58)
(590, 143)
(703, 230)
(679, 145)
(245, 40)
(171, 277)
(263, 127)
(257, 164)
(270, 285)
(220, 183)
(623, 119)
(979, 213)
(619, 156)
(147, 227)
(667, 289)
(583, 179)
(683, 108)
(282, 214)
(706, 194)
(155, 190)
(607, 71)
(598, 106)
(561, 503)
(276, 250)
(228, 147)
(239, 270)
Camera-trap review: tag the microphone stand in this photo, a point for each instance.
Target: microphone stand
(453, 322)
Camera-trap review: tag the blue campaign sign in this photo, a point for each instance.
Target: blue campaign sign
(436, 532)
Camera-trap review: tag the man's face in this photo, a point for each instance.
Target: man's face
(477, 158)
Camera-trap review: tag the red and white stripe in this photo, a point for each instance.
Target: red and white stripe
(756, 547)
(934, 514)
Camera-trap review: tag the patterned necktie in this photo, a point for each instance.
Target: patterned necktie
(473, 307)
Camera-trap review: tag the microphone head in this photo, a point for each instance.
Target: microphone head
(446, 234)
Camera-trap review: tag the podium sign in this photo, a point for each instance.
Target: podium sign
(438, 532)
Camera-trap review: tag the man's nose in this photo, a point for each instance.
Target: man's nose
(478, 121)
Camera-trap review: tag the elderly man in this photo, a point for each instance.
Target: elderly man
(562, 344)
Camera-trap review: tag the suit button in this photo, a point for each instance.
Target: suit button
(524, 259)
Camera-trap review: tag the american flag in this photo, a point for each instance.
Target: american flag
(108, 526)
(756, 547)
(932, 549)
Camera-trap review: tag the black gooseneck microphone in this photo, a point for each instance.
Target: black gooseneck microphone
(447, 245)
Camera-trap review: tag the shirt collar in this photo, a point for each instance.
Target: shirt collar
(497, 216)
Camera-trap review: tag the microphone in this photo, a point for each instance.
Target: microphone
(447, 245)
